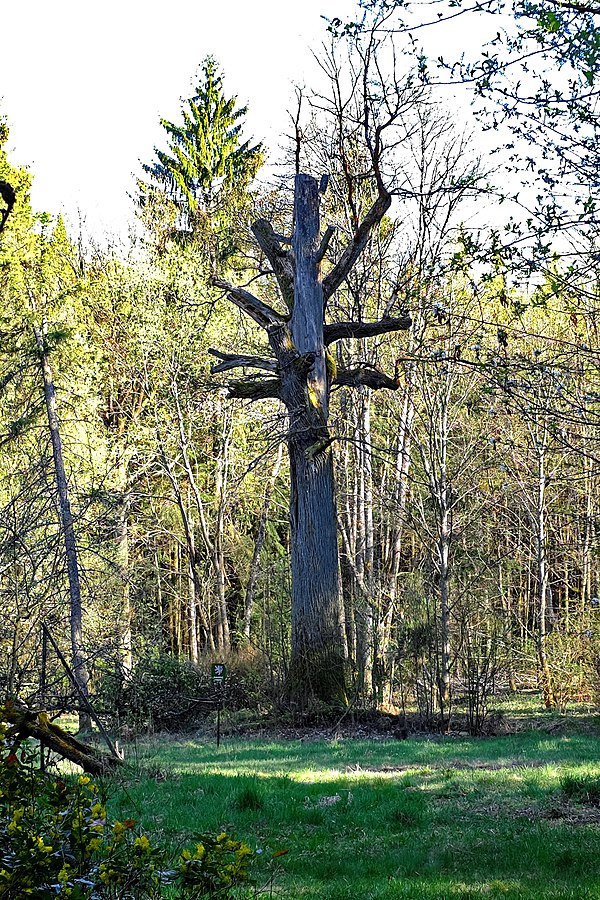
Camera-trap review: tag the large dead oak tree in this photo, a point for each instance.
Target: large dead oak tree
(301, 377)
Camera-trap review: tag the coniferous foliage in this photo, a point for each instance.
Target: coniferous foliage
(207, 167)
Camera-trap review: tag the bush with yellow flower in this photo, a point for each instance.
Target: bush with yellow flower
(56, 842)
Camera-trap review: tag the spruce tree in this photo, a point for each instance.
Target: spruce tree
(204, 174)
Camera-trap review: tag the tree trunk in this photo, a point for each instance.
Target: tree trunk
(302, 378)
(80, 669)
(403, 460)
(318, 665)
(539, 528)
(122, 562)
(29, 723)
(221, 451)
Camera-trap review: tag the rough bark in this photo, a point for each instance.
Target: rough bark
(318, 665)
(298, 341)
(339, 330)
(29, 723)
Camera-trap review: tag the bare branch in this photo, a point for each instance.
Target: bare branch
(577, 7)
(368, 376)
(235, 361)
(325, 241)
(251, 305)
(339, 330)
(358, 243)
(270, 244)
(252, 389)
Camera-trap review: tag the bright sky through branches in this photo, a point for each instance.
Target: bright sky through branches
(83, 85)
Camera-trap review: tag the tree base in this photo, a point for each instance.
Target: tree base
(320, 676)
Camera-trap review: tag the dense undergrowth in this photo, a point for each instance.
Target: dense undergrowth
(57, 841)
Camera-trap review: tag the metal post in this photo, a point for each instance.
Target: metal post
(219, 705)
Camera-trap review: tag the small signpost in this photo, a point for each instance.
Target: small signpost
(218, 674)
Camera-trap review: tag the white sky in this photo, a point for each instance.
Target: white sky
(83, 85)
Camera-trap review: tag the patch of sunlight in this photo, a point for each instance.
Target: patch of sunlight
(350, 774)
(488, 887)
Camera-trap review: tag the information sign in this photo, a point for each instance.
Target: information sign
(218, 673)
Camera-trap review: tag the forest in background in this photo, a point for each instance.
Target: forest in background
(144, 489)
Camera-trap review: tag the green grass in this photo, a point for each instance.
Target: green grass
(451, 817)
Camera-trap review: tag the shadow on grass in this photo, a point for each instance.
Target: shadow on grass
(527, 748)
(359, 819)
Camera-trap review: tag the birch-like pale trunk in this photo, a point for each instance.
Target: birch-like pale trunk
(539, 530)
(222, 442)
(586, 549)
(122, 565)
(79, 659)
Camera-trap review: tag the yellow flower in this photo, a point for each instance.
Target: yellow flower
(39, 843)
(119, 829)
(108, 875)
(84, 779)
(63, 875)
(94, 844)
(142, 844)
(243, 851)
(17, 816)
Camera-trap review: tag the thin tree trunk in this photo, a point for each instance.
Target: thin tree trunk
(221, 475)
(193, 616)
(586, 550)
(259, 543)
(542, 581)
(401, 489)
(122, 562)
(444, 589)
(80, 669)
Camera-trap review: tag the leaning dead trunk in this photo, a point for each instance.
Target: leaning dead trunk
(29, 723)
(80, 669)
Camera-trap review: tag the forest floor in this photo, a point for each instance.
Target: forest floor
(364, 815)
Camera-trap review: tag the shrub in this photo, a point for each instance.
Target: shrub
(56, 842)
(162, 693)
(165, 693)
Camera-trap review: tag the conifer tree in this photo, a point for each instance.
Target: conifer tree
(206, 170)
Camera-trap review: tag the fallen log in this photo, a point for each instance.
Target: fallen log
(36, 724)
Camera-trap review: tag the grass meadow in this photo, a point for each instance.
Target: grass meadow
(512, 816)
